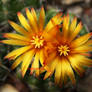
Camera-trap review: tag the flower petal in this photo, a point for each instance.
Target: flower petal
(27, 59)
(65, 28)
(33, 23)
(73, 25)
(81, 40)
(41, 19)
(82, 49)
(67, 71)
(15, 36)
(17, 62)
(34, 14)
(52, 33)
(35, 64)
(23, 21)
(76, 31)
(15, 53)
(58, 72)
(18, 28)
(15, 42)
(76, 64)
(41, 56)
(50, 68)
(56, 20)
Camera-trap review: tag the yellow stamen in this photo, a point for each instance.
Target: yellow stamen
(37, 41)
(63, 50)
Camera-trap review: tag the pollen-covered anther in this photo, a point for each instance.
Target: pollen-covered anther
(63, 50)
(37, 41)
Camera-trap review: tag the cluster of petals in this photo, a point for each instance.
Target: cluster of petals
(55, 48)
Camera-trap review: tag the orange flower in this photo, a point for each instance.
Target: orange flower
(69, 52)
(33, 38)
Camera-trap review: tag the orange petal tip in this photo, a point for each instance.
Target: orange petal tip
(42, 7)
(22, 74)
(4, 35)
(18, 13)
(26, 9)
(1, 41)
(80, 23)
(59, 14)
(90, 33)
(67, 14)
(75, 18)
(5, 57)
(9, 21)
(32, 9)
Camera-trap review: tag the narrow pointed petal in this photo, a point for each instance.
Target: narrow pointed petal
(15, 42)
(58, 72)
(18, 28)
(81, 40)
(41, 55)
(15, 36)
(73, 25)
(33, 23)
(82, 49)
(76, 64)
(26, 61)
(35, 64)
(50, 68)
(69, 71)
(42, 19)
(89, 43)
(48, 74)
(65, 28)
(85, 61)
(15, 53)
(34, 14)
(17, 62)
(23, 21)
(52, 33)
(56, 20)
(76, 31)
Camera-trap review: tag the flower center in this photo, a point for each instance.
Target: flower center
(63, 50)
(37, 41)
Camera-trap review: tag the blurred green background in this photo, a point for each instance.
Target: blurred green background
(11, 81)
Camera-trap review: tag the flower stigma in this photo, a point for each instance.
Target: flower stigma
(37, 41)
(63, 50)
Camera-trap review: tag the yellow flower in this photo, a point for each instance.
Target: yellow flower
(33, 38)
(69, 52)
